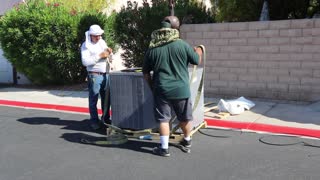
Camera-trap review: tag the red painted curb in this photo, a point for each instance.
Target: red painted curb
(46, 106)
(210, 122)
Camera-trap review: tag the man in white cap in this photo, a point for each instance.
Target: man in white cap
(96, 57)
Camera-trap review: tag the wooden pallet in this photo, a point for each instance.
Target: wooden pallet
(174, 136)
(214, 109)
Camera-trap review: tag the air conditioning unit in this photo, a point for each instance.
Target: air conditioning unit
(132, 101)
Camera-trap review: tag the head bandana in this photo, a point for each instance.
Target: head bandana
(93, 30)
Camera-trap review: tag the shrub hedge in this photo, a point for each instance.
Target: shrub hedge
(134, 24)
(42, 40)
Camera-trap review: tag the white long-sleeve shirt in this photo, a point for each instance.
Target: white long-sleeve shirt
(91, 59)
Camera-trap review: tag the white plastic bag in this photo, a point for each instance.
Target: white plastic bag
(235, 106)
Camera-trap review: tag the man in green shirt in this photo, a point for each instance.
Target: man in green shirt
(168, 57)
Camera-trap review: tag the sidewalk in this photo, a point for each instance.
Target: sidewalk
(294, 118)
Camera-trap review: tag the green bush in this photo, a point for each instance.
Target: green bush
(237, 10)
(289, 9)
(42, 40)
(134, 24)
(250, 10)
(83, 5)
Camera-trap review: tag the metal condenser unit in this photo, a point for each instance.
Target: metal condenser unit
(132, 101)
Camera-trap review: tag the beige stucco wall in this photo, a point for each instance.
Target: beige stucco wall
(271, 59)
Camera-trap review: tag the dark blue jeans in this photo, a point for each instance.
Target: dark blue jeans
(99, 85)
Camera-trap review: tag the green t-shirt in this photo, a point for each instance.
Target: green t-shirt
(169, 64)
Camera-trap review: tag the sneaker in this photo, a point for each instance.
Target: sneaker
(185, 145)
(161, 152)
(107, 121)
(95, 126)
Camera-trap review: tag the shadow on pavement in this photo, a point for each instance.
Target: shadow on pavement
(67, 124)
(131, 144)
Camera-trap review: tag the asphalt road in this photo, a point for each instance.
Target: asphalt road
(45, 145)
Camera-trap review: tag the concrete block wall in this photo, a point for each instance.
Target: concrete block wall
(272, 59)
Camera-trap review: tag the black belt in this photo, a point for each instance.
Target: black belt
(98, 73)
